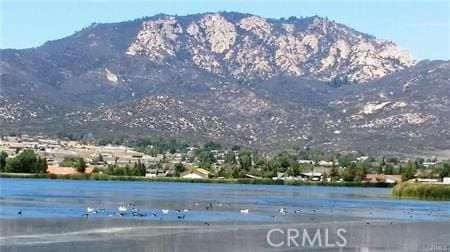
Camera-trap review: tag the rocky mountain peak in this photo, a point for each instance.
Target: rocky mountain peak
(250, 47)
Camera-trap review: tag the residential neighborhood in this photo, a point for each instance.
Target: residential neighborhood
(214, 161)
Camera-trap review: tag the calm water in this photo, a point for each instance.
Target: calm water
(41, 198)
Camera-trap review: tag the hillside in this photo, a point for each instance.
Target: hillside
(231, 77)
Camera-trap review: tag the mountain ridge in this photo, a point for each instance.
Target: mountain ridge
(90, 83)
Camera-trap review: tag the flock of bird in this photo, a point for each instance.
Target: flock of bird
(130, 209)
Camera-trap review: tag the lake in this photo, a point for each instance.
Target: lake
(43, 198)
(209, 217)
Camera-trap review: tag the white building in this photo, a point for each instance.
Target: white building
(362, 158)
(193, 176)
(325, 163)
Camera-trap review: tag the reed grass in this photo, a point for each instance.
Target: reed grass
(421, 191)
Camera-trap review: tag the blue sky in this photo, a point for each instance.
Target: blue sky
(422, 27)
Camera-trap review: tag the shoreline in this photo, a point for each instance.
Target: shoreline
(262, 181)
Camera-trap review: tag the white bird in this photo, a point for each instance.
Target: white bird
(165, 211)
(122, 209)
(244, 211)
(283, 210)
(186, 210)
(90, 209)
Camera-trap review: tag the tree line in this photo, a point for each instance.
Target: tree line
(25, 162)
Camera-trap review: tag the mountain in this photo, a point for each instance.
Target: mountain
(232, 77)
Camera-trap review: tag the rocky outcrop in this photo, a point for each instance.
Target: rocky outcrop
(157, 39)
(257, 25)
(252, 47)
(111, 77)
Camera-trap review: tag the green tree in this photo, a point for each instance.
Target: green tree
(179, 168)
(70, 161)
(245, 160)
(349, 173)
(325, 176)
(444, 171)
(99, 159)
(14, 165)
(138, 169)
(282, 162)
(230, 157)
(41, 165)
(81, 165)
(212, 146)
(126, 171)
(389, 169)
(334, 173)
(205, 159)
(294, 170)
(227, 170)
(380, 168)
(235, 148)
(26, 162)
(3, 157)
(360, 172)
(345, 160)
(142, 170)
(409, 171)
(267, 167)
(393, 160)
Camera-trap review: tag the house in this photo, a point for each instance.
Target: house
(303, 161)
(17, 146)
(325, 163)
(424, 180)
(156, 173)
(374, 178)
(151, 173)
(446, 180)
(252, 176)
(197, 173)
(193, 176)
(429, 164)
(362, 158)
(382, 178)
(280, 176)
(314, 176)
(393, 179)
